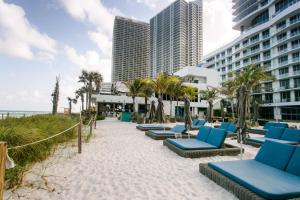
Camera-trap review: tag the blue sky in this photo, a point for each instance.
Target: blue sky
(41, 39)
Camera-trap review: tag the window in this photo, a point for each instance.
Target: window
(266, 112)
(266, 44)
(218, 56)
(296, 57)
(281, 25)
(229, 67)
(290, 113)
(267, 64)
(267, 54)
(284, 4)
(255, 48)
(295, 43)
(237, 64)
(218, 70)
(295, 19)
(255, 58)
(296, 82)
(268, 98)
(266, 33)
(245, 42)
(268, 87)
(284, 84)
(223, 69)
(260, 19)
(223, 62)
(295, 31)
(285, 96)
(283, 71)
(281, 37)
(254, 38)
(282, 48)
(229, 59)
(223, 77)
(245, 52)
(246, 60)
(283, 60)
(237, 46)
(223, 54)
(263, 3)
(297, 95)
(229, 51)
(237, 55)
(296, 68)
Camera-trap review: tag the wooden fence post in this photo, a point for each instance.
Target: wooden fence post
(79, 136)
(3, 150)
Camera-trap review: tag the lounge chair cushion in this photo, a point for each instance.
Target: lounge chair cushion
(195, 122)
(150, 126)
(216, 137)
(294, 164)
(224, 125)
(274, 132)
(291, 135)
(282, 125)
(263, 139)
(203, 133)
(269, 124)
(201, 122)
(191, 144)
(275, 154)
(178, 129)
(266, 181)
(162, 132)
(232, 128)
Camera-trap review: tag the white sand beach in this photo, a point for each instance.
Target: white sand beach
(120, 162)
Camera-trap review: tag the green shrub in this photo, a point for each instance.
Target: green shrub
(100, 117)
(29, 129)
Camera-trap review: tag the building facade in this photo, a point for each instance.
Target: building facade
(270, 38)
(176, 37)
(110, 103)
(130, 54)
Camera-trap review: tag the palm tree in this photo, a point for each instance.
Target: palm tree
(55, 96)
(174, 83)
(71, 100)
(83, 78)
(80, 93)
(97, 80)
(190, 92)
(146, 91)
(161, 84)
(134, 87)
(210, 95)
(244, 83)
(229, 91)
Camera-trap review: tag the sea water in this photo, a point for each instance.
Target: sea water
(18, 113)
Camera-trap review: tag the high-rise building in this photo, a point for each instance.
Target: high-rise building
(130, 56)
(270, 38)
(176, 37)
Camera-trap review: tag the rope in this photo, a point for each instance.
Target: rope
(39, 141)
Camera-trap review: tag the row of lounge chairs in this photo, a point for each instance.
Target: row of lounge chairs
(266, 127)
(277, 134)
(273, 174)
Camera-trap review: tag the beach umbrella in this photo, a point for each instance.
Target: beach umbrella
(241, 122)
(152, 112)
(160, 111)
(187, 114)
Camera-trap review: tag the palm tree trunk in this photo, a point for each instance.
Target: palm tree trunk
(232, 109)
(170, 107)
(146, 101)
(70, 107)
(82, 103)
(86, 100)
(133, 107)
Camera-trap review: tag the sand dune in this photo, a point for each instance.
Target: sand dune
(120, 162)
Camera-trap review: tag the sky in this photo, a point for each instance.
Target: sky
(42, 39)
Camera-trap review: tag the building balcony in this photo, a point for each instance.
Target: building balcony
(285, 100)
(296, 72)
(283, 75)
(267, 101)
(286, 87)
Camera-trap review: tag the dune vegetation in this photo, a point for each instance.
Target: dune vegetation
(20, 131)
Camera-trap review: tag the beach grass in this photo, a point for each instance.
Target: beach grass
(20, 131)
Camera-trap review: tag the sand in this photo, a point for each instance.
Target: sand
(120, 162)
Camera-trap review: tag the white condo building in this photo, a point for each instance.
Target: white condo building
(199, 77)
(270, 37)
(176, 37)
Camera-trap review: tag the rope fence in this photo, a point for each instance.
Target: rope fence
(6, 162)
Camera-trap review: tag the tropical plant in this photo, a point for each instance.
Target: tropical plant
(173, 83)
(135, 88)
(80, 93)
(146, 91)
(161, 84)
(71, 100)
(190, 92)
(244, 83)
(228, 90)
(55, 96)
(210, 95)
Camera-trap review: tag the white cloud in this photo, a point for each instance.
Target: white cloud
(156, 5)
(90, 60)
(20, 38)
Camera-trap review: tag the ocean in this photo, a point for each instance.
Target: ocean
(18, 113)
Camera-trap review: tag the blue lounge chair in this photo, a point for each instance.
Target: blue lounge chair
(266, 127)
(208, 142)
(178, 130)
(273, 174)
(196, 123)
(146, 127)
(277, 134)
(230, 128)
